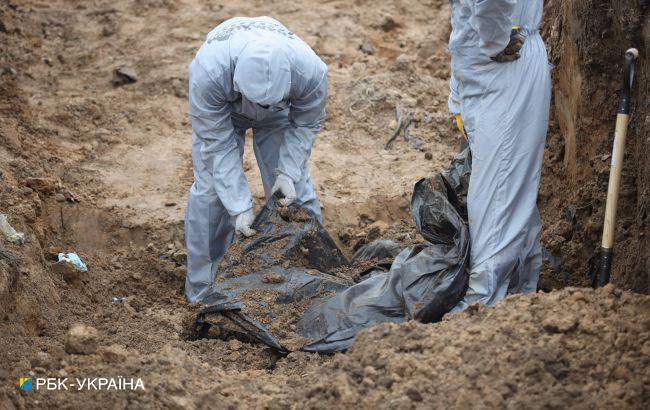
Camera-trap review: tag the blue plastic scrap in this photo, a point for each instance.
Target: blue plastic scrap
(74, 259)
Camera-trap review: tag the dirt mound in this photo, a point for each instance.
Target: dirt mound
(570, 348)
(575, 347)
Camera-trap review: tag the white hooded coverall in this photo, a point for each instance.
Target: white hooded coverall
(505, 108)
(249, 73)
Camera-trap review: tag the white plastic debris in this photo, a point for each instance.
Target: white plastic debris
(74, 259)
(9, 232)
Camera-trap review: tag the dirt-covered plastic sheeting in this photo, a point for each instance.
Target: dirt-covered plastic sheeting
(265, 283)
(290, 286)
(287, 236)
(425, 281)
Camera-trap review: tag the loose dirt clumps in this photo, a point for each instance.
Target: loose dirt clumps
(570, 348)
(81, 339)
(563, 349)
(104, 171)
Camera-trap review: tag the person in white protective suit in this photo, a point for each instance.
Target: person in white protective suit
(249, 73)
(501, 87)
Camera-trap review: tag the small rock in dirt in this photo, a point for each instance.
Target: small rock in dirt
(413, 394)
(271, 389)
(114, 353)
(124, 75)
(179, 88)
(608, 290)
(403, 62)
(234, 344)
(367, 382)
(578, 297)
(170, 203)
(108, 30)
(389, 24)
(273, 277)
(42, 359)
(59, 198)
(9, 232)
(386, 382)
(409, 102)
(179, 256)
(81, 339)
(428, 155)
(559, 324)
(43, 185)
(375, 230)
(10, 70)
(27, 191)
(367, 48)
(369, 371)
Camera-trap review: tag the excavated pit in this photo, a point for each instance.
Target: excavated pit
(104, 170)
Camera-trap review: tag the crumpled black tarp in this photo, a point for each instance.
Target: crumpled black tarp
(293, 256)
(424, 281)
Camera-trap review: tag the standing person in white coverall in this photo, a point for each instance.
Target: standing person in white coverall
(249, 73)
(501, 87)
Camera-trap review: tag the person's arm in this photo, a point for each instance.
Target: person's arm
(211, 122)
(306, 119)
(453, 103)
(492, 22)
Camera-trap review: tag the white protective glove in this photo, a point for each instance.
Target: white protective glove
(244, 221)
(285, 185)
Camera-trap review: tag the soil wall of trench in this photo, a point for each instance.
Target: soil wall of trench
(586, 41)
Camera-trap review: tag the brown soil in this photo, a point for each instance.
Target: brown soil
(587, 40)
(568, 348)
(104, 171)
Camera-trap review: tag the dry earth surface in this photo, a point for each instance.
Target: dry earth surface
(104, 170)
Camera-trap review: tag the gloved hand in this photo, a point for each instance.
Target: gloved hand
(244, 221)
(285, 185)
(511, 52)
(460, 124)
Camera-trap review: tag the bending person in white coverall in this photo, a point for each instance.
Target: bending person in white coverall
(501, 86)
(249, 73)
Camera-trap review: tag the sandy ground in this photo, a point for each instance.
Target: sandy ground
(147, 163)
(123, 154)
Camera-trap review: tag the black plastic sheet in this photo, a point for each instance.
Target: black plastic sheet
(295, 258)
(290, 260)
(425, 281)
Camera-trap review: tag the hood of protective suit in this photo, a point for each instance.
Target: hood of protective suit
(263, 73)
